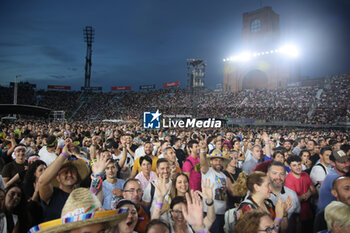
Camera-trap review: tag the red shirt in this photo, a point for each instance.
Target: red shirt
(300, 186)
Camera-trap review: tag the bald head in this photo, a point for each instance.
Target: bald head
(341, 189)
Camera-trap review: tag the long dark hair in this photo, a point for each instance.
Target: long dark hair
(30, 174)
(20, 210)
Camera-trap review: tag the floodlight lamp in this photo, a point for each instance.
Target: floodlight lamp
(224, 60)
(290, 50)
(245, 56)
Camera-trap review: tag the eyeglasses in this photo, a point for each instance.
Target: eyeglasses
(270, 229)
(177, 212)
(139, 191)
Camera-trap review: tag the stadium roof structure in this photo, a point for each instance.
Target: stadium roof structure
(25, 110)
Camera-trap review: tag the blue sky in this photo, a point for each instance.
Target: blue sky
(144, 42)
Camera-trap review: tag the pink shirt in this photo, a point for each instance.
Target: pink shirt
(300, 186)
(144, 182)
(195, 176)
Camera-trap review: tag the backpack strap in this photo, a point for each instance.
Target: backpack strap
(190, 163)
(152, 194)
(321, 165)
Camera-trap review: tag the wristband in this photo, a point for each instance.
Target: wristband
(210, 204)
(159, 204)
(62, 153)
(205, 230)
(280, 220)
(203, 150)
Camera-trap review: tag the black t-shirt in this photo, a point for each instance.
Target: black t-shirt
(181, 156)
(133, 147)
(54, 208)
(11, 169)
(320, 223)
(232, 200)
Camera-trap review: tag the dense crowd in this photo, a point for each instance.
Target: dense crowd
(104, 177)
(308, 105)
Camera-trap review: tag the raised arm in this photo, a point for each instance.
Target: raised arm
(45, 186)
(207, 194)
(203, 156)
(162, 189)
(193, 212)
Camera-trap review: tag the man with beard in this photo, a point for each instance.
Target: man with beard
(277, 176)
(215, 175)
(148, 148)
(341, 164)
(163, 171)
(65, 171)
(341, 191)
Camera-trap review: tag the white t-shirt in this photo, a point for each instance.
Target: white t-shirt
(318, 174)
(46, 156)
(219, 191)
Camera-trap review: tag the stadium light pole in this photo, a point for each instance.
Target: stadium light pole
(15, 90)
(89, 33)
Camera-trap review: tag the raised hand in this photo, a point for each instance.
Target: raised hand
(207, 190)
(193, 213)
(161, 187)
(287, 204)
(279, 209)
(100, 164)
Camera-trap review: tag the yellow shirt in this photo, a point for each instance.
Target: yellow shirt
(137, 165)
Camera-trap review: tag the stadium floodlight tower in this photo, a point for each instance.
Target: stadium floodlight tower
(89, 33)
(196, 73)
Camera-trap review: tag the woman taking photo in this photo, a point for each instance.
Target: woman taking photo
(146, 175)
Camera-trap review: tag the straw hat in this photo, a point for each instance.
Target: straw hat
(82, 208)
(79, 164)
(217, 154)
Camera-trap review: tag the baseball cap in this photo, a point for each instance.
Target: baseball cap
(340, 156)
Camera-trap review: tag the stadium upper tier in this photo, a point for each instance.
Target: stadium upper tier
(308, 105)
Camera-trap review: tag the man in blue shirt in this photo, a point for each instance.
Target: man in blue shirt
(341, 165)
